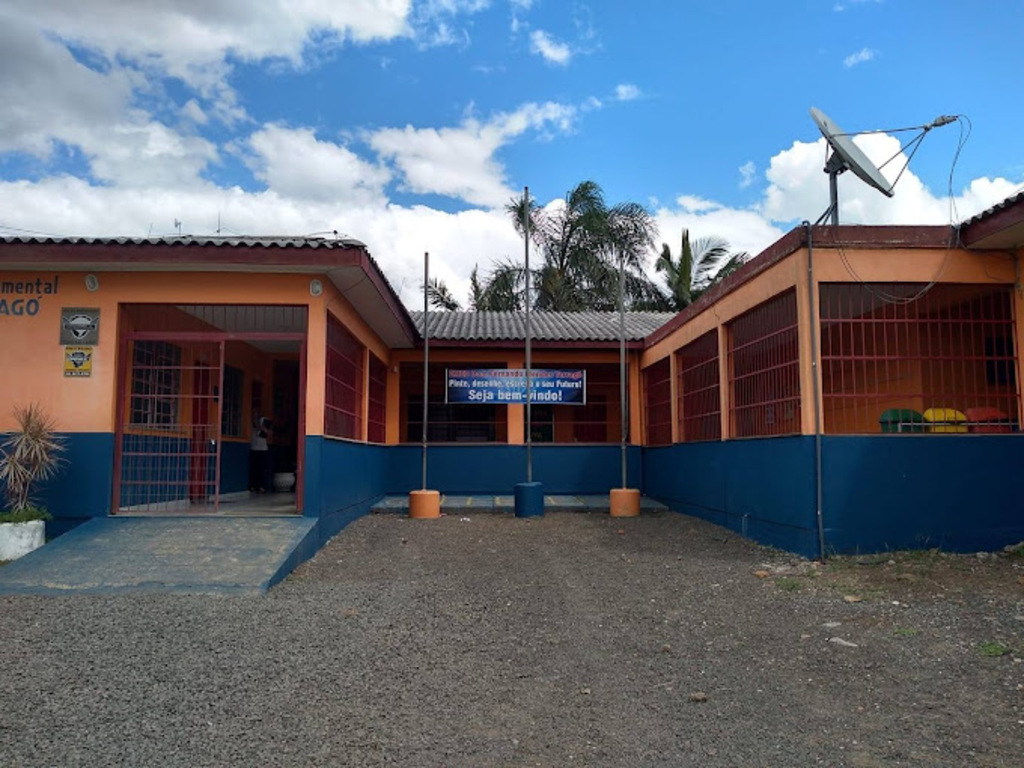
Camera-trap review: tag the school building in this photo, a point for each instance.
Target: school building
(852, 388)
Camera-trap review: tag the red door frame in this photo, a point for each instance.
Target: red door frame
(208, 336)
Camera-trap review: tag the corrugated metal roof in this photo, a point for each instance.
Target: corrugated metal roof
(545, 326)
(1011, 200)
(246, 241)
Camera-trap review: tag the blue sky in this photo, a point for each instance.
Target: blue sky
(409, 124)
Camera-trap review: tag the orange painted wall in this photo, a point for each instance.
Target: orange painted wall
(30, 346)
(332, 301)
(849, 265)
(513, 417)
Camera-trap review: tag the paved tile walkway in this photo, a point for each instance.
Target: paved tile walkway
(165, 554)
(452, 504)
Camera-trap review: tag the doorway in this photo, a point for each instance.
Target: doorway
(185, 399)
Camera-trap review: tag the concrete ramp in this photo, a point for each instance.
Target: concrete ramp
(165, 554)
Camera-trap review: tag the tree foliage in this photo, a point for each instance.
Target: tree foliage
(701, 264)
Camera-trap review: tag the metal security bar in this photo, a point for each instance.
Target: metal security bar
(343, 405)
(376, 396)
(169, 445)
(658, 403)
(905, 358)
(764, 370)
(699, 398)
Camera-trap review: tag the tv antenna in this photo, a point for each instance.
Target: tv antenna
(177, 226)
(847, 156)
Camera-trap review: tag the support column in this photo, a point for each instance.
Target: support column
(673, 389)
(724, 366)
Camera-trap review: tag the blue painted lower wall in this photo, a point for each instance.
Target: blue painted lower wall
(83, 487)
(342, 481)
(760, 488)
(234, 467)
(562, 469)
(957, 492)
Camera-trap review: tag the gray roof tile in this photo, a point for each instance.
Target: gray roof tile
(1011, 200)
(247, 241)
(546, 326)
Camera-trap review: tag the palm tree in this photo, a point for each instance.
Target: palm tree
(440, 296)
(700, 265)
(501, 292)
(580, 243)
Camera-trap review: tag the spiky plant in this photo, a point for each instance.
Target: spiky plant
(31, 454)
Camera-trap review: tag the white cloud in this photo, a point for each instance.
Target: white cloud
(295, 164)
(798, 189)
(47, 95)
(553, 51)
(840, 7)
(747, 172)
(460, 162)
(192, 40)
(396, 235)
(192, 111)
(864, 54)
(745, 229)
(50, 97)
(626, 92)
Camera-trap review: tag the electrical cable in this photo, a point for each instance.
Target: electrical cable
(954, 240)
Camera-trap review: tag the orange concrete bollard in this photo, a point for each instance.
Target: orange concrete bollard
(625, 502)
(424, 505)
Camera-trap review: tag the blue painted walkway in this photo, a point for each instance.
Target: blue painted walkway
(165, 554)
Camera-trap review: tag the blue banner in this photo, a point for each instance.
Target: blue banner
(508, 386)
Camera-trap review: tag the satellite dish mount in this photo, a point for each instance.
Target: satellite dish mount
(846, 156)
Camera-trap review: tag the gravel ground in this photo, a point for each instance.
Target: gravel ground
(567, 640)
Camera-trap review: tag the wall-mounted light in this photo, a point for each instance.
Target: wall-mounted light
(92, 283)
(315, 287)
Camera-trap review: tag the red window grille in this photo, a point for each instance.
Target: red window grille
(699, 401)
(446, 422)
(658, 403)
(764, 370)
(597, 421)
(343, 402)
(907, 358)
(376, 395)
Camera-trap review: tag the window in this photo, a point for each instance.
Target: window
(343, 405)
(377, 394)
(764, 370)
(446, 422)
(542, 423)
(699, 404)
(658, 402)
(156, 384)
(231, 403)
(903, 357)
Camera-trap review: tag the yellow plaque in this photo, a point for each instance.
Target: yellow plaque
(78, 361)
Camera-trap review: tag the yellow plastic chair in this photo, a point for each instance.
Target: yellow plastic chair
(945, 420)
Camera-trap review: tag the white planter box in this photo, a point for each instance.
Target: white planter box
(17, 539)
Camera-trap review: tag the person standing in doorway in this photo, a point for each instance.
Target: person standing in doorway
(261, 465)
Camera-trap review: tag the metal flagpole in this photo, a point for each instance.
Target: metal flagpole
(529, 404)
(426, 359)
(622, 364)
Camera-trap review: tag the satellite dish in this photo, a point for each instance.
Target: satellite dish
(846, 156)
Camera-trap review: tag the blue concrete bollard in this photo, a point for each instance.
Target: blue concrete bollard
(529, 500)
